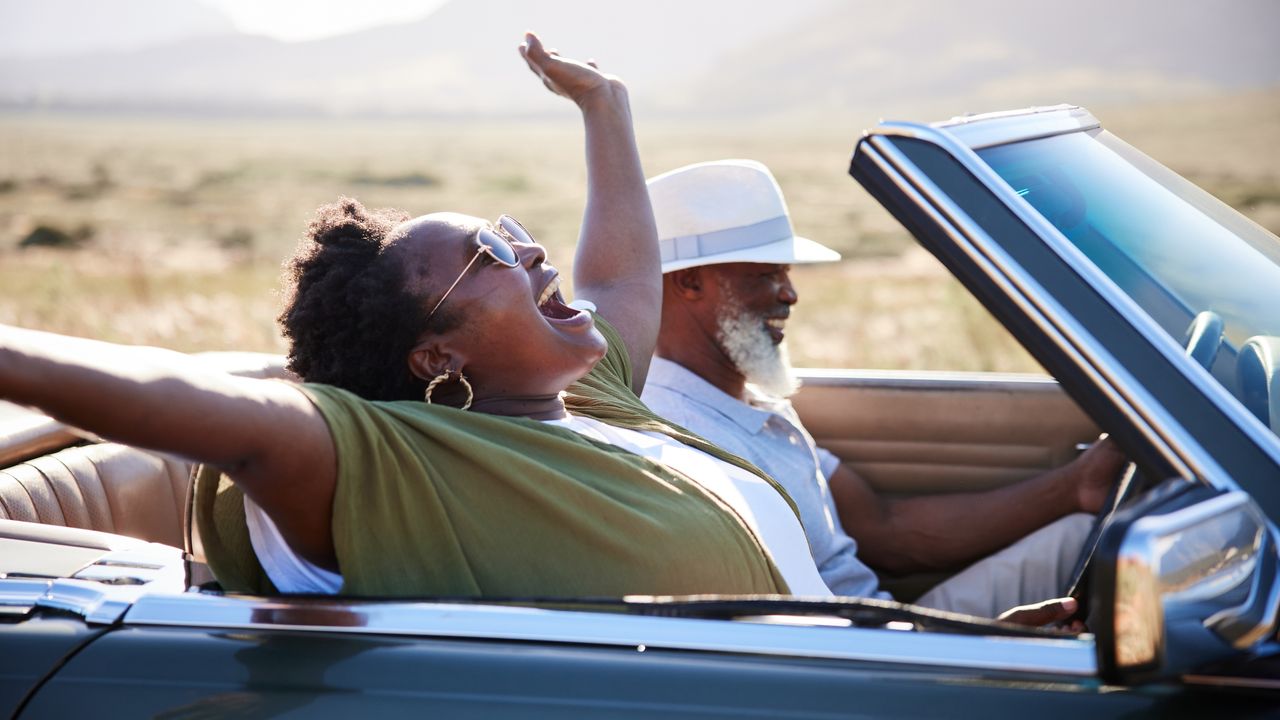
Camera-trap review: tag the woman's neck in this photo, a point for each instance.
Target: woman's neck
(541, 407)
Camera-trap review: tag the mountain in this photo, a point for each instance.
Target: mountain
(693, 58)
(460, 60)
(995, 53)
(49, 28)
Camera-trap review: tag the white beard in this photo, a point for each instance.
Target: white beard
(750, 346)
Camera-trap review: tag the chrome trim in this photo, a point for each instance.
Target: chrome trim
(1253, 561)
(158, 566)
(1232, 624)
(97, 603)
(1243, 636)
(1022, 290)
(1179, 520)
(1000, 128)
(102, 591)
(1198, 376)
(22, 592)
(1068, 656)
(1271, 618)
(927, 380)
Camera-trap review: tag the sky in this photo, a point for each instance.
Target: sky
(295, 20)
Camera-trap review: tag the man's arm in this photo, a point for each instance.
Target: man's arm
(943, 532)
(266, 435)
(617, 265)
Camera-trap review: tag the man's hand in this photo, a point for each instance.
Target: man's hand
(1095, 472)
(570, 78)
(1049, 612)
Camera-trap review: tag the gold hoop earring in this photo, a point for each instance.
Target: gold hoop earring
(445, 377)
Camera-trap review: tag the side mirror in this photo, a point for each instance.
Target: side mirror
(1186, 577)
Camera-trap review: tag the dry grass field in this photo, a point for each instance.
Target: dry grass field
(174, 229)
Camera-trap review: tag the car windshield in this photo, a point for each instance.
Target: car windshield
(1175, 249)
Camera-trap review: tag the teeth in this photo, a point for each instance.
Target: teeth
(776, 323)
(549, 290)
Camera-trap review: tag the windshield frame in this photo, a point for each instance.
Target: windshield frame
(983, 132)
(943, 226)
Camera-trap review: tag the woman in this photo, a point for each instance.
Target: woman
(464, 431)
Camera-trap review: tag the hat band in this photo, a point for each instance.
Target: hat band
(687, 247)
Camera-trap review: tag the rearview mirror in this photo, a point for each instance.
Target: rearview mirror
(1184, 578)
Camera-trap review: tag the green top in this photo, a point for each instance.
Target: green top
(431, 500)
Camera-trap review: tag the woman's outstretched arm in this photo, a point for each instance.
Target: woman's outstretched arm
(617, 265)
(266, 435)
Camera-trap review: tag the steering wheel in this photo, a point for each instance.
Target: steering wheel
(1202, 342)
(1124, 489)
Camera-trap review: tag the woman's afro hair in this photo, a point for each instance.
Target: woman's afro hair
(349, 316)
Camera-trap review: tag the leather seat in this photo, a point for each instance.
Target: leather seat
(106, 487)
(1258, 374)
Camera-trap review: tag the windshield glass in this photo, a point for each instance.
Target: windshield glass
(1175, 249)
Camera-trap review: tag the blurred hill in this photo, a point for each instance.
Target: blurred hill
(685, 59)
(983, 54)
(49, 28)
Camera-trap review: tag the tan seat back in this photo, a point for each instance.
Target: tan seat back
(106, 487)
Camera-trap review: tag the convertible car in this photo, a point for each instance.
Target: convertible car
(1155, 308)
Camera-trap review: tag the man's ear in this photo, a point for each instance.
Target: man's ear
(433, 357)
(687, 283)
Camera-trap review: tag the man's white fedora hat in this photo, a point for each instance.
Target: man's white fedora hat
(726, 211)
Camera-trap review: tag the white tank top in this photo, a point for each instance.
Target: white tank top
(753, 499)
(289, 572)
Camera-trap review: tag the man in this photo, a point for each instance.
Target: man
(721, 370)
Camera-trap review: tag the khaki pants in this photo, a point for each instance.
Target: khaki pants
(1037, 567)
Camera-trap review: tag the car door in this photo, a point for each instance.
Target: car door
(912, 433)
(206, 655)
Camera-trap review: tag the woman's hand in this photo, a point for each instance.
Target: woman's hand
(567, 77)
(267, 436)
(617, 266)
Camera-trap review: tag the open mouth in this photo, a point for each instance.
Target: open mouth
(775, 327)
(551, 303)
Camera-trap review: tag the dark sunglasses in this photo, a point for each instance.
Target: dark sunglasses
(496, 242)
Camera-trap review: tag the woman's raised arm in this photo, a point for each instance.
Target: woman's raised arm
(617, 265)
(266, 435)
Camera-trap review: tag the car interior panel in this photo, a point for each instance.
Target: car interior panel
(924, 433)
(943, 432)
